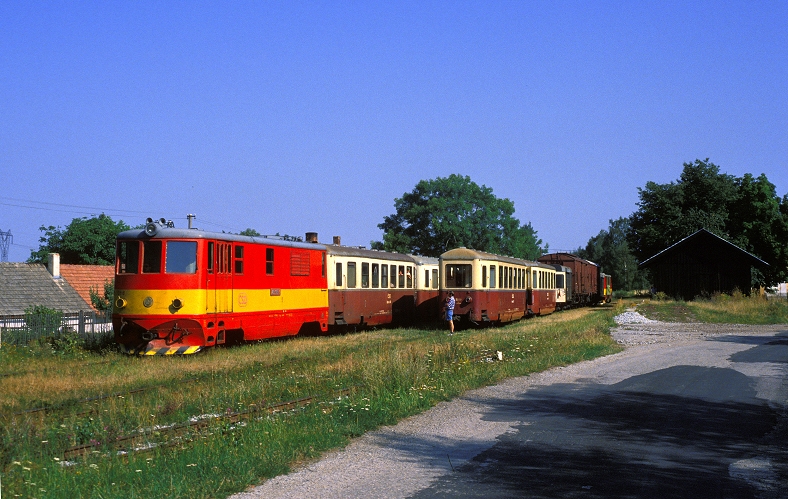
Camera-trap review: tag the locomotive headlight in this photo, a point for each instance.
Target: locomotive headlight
(120, 302)
(177, 304)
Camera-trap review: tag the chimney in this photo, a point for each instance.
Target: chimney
(53, 264)
(311, 237)
(337, 241)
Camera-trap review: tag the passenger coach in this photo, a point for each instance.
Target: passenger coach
(494, 288)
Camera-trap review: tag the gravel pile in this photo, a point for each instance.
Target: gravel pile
(632, 317)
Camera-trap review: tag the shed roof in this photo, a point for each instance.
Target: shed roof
(703, 239)
(24, 285)
(84, 277)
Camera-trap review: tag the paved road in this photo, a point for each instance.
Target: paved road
(686, 411)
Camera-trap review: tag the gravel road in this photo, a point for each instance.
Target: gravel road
(401, 460)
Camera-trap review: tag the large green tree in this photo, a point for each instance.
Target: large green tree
(83, 241)
(745, 211)
(610, 250)
(446, 213)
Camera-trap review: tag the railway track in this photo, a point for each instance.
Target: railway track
(174, 434)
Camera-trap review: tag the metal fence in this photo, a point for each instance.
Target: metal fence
(91, 328)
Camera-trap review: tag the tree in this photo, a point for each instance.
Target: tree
(745, 211)
(610, 250)
(249, 232)
(446, 213)
(84, 241)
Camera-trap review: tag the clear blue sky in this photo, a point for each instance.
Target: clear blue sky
(314, 116)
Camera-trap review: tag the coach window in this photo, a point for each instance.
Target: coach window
(484, 276)
(128, 257)
(384, 276)
(339, 275)
(401, 276)
(151, 257)
(351, 274)
(535, 284)
(393, 280)
(435, 279)
(269, 261)
(364, 274)
(458, 276)
(492, 276)
(409, 277)
(376, 275)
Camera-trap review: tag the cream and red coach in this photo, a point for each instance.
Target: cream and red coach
(494, 288)
(180, 290)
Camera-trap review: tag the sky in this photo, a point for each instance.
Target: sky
(297, 116)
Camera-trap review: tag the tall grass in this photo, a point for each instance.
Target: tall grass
(392, 374)
(736, 308)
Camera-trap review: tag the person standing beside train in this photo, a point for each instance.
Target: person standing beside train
(450, 302)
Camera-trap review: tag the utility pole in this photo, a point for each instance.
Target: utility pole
(6, 239)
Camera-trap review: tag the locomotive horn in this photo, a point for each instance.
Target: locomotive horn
(151, 229)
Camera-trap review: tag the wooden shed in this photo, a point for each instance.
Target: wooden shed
(702, 264)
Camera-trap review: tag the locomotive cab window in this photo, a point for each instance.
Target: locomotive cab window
(181, 257)
(239, 259)
(151, 257)
(128, 257)
(269, 261)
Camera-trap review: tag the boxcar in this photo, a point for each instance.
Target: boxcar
(179, 290)
(585, 277)
(369, 287)
(494, 288)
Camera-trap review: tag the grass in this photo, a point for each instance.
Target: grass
(95, 398)
(721, 309)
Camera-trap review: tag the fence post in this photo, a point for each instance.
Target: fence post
(81, 324)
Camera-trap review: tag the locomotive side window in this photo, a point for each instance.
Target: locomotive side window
(492, 276)
(376, 275)
(151, 257)
(239, 259)
(435, 279)
(384, 276)
(181, 257)
(128, 257)
(339, 275)
(210, 257)
(458, 276)
(364, 274)
(351, 274)
(269, 261)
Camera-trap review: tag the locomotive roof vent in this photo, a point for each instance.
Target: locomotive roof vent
(311, 237)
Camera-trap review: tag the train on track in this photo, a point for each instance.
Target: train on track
(178, 291)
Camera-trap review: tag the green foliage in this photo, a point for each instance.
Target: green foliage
(45, 320)
(610, 249)
(446, 213)
(249, 232)
(103, 302)
(745, 211)
(89, 241)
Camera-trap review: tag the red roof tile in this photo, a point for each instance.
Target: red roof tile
(84, 277)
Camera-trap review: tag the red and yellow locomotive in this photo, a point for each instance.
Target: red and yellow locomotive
(179, 290)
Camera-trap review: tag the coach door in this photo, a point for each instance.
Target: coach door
(219, 287)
